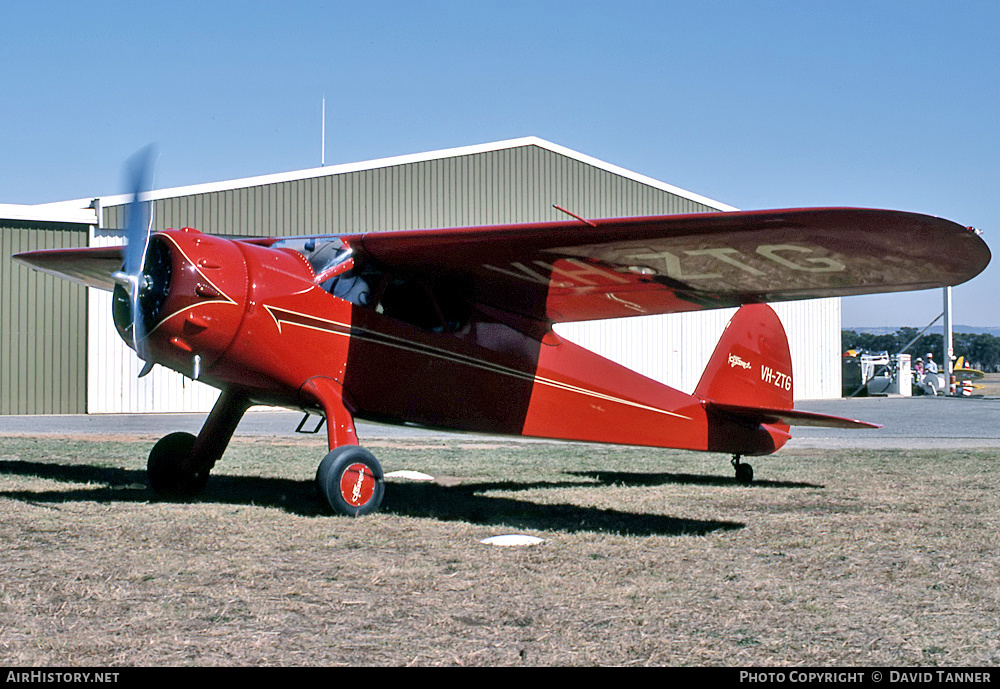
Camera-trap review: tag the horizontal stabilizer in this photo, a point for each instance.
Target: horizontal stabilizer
(788, 417)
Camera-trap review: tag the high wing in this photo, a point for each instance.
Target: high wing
(584, 270)
(595, 269)
(92, 266)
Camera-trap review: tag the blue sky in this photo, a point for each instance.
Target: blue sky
(757, 104)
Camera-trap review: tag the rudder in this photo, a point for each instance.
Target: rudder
(751, 365)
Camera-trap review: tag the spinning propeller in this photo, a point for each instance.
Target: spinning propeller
(139, 280)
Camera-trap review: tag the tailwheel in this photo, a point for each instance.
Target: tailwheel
(744, 472)
(350, 479)
(171, 470)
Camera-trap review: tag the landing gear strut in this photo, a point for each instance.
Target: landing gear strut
(349, 478)
(744, 472)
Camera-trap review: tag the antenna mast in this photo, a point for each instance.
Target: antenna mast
(322, 136)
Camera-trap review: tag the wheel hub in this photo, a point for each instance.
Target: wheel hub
(357, 484)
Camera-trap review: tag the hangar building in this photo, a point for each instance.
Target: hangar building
(60, 353)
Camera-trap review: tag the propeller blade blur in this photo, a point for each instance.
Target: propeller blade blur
(137, 230)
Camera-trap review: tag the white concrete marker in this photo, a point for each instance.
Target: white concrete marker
(512, 539)
(411, 475)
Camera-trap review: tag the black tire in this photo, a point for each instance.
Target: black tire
(744, 474)
(350, 480)
(167, 471)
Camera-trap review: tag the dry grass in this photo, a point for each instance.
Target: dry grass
(650, 558)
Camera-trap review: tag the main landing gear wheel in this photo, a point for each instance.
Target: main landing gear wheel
(169, 469)
(744, 472)
(350, 479)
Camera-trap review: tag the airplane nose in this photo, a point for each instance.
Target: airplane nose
(154, 287)
(192, 298)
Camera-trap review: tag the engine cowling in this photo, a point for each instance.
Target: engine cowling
(192, 297)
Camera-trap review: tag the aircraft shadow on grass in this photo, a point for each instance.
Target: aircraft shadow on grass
(622, 478)
(462, 502)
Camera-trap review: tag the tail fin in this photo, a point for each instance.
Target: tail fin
(749, 375)
(751, 366)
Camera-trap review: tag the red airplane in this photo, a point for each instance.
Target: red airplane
(452, 328)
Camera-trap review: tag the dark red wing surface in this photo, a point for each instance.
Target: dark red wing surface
(571, 271)
(90, 266)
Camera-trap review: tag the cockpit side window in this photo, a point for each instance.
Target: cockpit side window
(432, 308)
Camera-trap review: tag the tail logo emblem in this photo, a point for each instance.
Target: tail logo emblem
(735, 360)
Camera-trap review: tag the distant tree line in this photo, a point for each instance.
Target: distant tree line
(980, 351)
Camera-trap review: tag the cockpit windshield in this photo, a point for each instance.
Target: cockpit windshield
(322, 252)
(436, 308)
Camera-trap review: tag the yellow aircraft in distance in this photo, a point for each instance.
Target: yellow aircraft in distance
(962, 371)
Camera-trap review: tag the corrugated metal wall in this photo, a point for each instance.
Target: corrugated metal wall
(43, 325)
(509, 185)
(504, 186)
(675, 348)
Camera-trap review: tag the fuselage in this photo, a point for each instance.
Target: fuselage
(248, 316)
